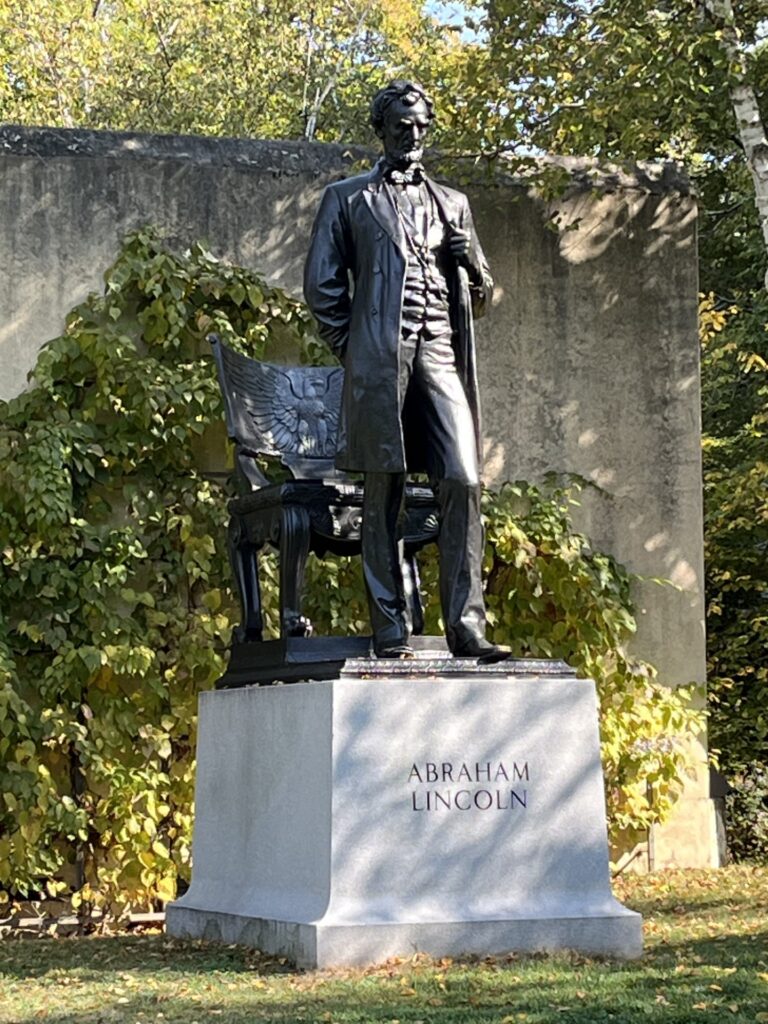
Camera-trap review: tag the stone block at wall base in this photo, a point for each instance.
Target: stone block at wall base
(347, 821)
(689, 838)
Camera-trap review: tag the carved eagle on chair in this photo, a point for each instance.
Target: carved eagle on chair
(293, 410)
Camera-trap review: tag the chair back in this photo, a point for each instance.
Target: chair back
(286, 412)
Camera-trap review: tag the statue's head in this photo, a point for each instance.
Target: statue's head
(401, 114)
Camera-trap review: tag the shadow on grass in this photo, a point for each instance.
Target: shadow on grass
(677, 909)
(620, 997)
(715, 979)
(723, 951)
(93, 956)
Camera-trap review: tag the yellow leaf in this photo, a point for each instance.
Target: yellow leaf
(166, 889)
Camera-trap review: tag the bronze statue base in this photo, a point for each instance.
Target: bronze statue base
(305, 659)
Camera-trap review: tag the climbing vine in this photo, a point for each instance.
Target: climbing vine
(117, 604)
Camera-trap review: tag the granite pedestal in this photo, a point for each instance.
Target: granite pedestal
(403, 808)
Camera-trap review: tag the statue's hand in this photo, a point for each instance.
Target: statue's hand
(461, 248)
(459, 244)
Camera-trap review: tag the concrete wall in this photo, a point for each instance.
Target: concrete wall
(588, 361)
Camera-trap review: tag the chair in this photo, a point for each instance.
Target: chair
(290, 415)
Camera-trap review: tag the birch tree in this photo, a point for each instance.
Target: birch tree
(746, 109)
(298, 68)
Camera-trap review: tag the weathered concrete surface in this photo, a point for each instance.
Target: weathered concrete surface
(588, 361)
(68, 198)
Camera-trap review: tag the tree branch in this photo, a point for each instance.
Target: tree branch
(745, 107)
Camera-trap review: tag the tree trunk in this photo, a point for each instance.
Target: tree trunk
(744, 101)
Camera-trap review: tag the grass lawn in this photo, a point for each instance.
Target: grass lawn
(706, 959)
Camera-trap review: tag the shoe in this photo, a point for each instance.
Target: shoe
(393, 649)
(482, 650)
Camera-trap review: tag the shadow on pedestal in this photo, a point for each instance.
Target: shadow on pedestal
(430, 804)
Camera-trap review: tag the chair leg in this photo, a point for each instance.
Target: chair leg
(244, 558)
(294, 549)
(412, 587)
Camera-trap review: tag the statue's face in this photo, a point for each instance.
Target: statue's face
(403, 132)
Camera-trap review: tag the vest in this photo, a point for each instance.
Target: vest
(425, 298)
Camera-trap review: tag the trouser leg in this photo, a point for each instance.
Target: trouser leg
(382, 556)
(382, 546)
(455, 479)
(460, 544)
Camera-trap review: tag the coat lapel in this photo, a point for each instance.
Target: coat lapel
(445, 204)
(379, 202)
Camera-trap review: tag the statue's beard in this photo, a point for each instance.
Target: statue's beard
(406, 157)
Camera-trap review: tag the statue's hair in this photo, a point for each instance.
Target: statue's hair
(401, 89)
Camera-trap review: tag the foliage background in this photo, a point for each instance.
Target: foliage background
(614, 79)
(117, 603)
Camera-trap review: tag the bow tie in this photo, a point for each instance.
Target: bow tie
(413, 176)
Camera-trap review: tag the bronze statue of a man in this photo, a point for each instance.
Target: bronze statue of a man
(394, 276)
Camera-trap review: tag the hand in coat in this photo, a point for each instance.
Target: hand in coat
(460, 243)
